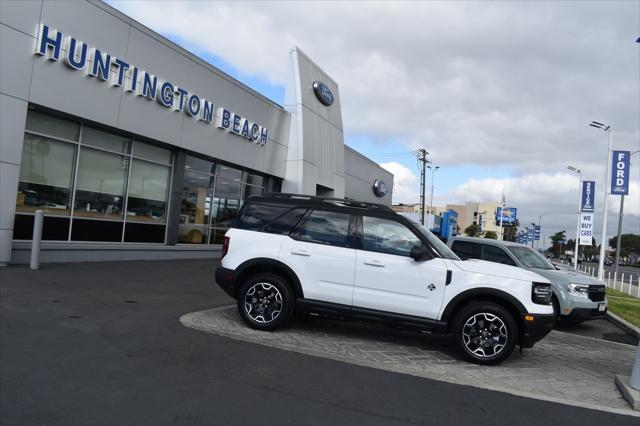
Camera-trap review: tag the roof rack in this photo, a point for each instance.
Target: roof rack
(332, 200)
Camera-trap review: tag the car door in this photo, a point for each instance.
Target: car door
(320, 251)
(387, 279)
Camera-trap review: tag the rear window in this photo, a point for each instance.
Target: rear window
(466, 250)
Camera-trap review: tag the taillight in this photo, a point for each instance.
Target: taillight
(225, 247)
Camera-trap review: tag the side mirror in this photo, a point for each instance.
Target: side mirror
(419, 253)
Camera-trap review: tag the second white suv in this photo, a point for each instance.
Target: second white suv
(341, 258)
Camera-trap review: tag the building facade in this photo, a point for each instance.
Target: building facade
(135, 148)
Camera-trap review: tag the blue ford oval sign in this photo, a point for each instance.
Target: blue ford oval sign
(323, 93)
(379, 188)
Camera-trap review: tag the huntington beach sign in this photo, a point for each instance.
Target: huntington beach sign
(54, 45)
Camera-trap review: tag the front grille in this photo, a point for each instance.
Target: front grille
(596, 293)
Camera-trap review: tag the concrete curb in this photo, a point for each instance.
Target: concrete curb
(623, 323)
(630, 394)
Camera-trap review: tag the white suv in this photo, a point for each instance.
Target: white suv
(290, 253)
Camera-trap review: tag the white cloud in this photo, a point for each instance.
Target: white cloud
(504, 84)
(403, 180)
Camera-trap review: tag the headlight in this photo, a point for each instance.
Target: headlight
(578, 290)
(541, 293)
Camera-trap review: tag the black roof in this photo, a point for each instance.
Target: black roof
(311, 201)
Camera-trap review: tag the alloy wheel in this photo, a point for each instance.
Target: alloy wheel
(263, 302)
(485, 335)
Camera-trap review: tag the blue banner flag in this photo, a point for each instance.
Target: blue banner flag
(588, 196)
(536, 233)
(620, 173)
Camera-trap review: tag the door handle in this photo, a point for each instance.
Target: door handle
(373, 262)
(301, 252)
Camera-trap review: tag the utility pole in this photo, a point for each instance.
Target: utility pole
(422, 159)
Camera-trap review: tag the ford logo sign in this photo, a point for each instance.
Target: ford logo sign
(379, 188)
(323, 93)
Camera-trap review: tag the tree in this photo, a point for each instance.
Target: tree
(628, 243)
(556, 240)
(491, 235)
(471, 230)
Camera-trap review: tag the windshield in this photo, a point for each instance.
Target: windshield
(530, 258)
(440, 247)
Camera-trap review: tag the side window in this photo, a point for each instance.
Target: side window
(258, 215)
(285, 223)
(466, 249)
(326, 228)
(387, 236)
(496, 254)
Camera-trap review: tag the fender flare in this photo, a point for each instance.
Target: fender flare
(463, 297)
(268, 264)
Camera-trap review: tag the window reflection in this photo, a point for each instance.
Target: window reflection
(46, 175)
(196, 208)
(148, 188)
(101, 183)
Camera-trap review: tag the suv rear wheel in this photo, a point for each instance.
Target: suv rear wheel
(485, 333)
(265, 301)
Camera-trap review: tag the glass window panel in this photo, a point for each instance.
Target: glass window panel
(151, 152)
(195, 210)
(53, 228)
(229, 173)
(387, 236)
(249, 190)
(217, 235)
(198, 165)
(148, 188)
(253, 179)
(258, 215)
(285, 223)
(106, 140)
(96, 230)
(143, 233)
(45, 175)
(326, 228)
(466, 250)
(226, 199)
(54, 126)
(100, 184)
(23, 227)
(496, 254)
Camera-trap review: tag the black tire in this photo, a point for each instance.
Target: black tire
(485, 333)
(265, 301)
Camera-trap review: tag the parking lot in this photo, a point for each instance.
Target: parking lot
(101, 343)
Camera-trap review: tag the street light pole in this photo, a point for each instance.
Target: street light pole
(606, 128)
(433, 171)
(577, 241)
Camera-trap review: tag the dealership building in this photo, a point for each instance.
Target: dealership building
(135, 148)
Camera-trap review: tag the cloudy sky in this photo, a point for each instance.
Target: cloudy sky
(499, 93)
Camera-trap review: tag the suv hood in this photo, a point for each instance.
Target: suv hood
(566, 277)
(498, 270)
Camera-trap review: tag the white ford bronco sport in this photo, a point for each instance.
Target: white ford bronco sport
(289, 253)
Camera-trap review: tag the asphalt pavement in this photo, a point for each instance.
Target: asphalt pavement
(100, 343)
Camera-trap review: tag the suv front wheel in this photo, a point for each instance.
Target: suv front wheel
(265, 302)
(485, 333)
